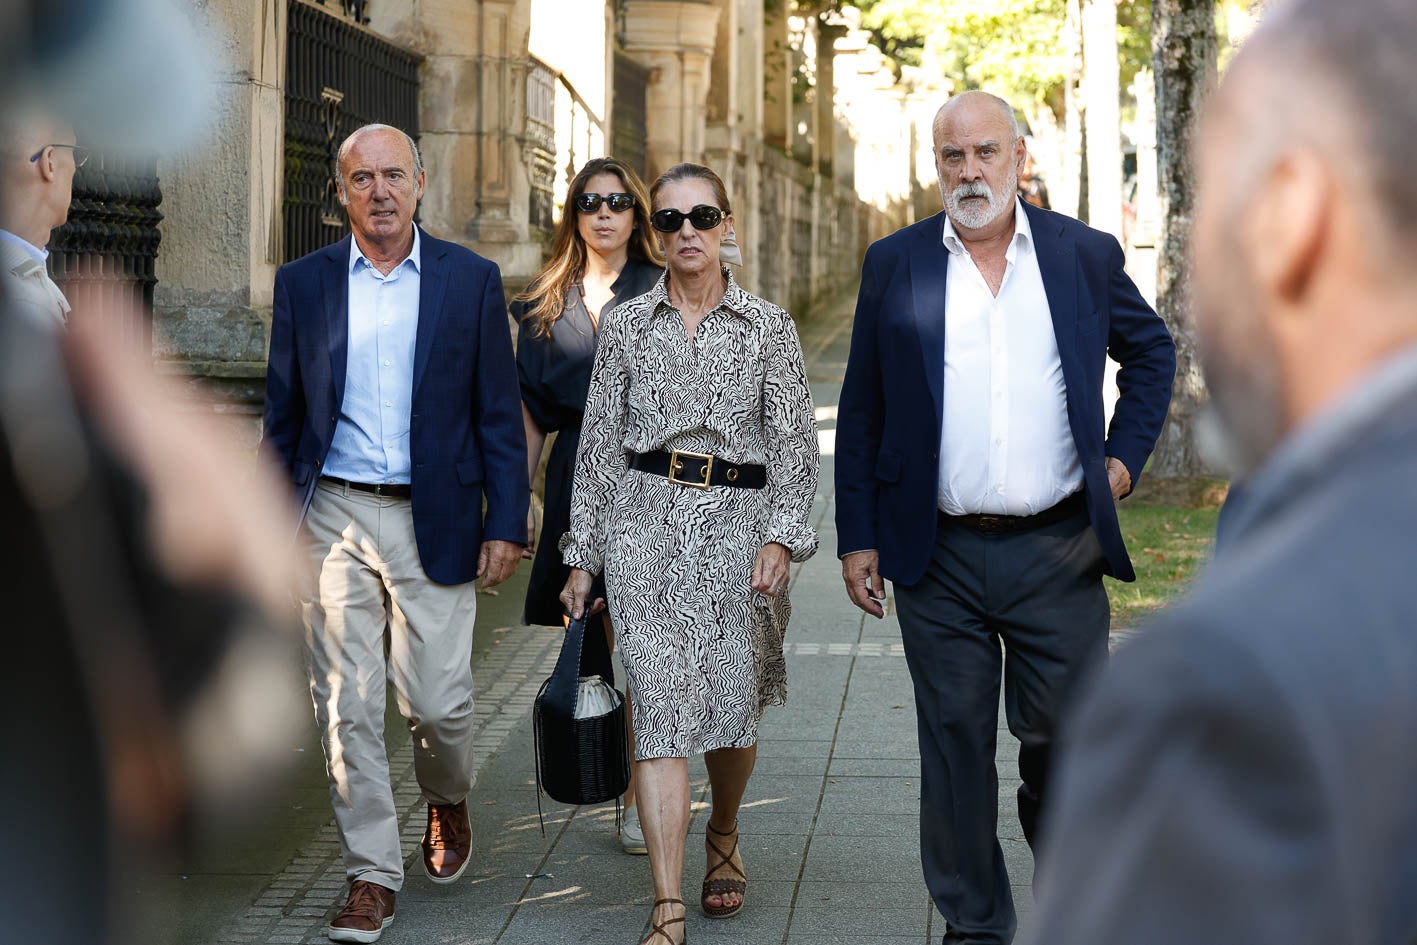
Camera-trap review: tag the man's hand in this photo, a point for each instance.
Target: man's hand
(1118, 478)
(864, 584)
(770, 570)
(497, 562)
(577, 589)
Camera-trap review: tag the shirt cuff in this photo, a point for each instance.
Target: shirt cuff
(578, 553)
(799, 538)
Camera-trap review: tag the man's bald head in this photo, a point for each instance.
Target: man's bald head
(36, 172)
(358, 133)
(974, 100)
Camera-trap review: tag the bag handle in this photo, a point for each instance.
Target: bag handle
(582, 654)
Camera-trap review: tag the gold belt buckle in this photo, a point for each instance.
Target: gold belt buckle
(676, 466)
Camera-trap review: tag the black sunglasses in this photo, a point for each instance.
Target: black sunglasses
(703, 217)
(589, 203)
(81, 153)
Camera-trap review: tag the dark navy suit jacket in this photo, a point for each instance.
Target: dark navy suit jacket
(888, 423)
(466, 439)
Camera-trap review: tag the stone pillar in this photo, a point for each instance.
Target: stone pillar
(777, 78)
(472, 108)
(675, 39)
(825, 143)
(221, 212)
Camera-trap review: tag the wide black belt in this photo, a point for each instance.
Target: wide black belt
(392, 490)
(699, 470)
(1074, 504)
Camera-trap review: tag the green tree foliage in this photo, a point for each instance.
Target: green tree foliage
(1012, 46)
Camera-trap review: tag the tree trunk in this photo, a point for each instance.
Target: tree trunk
(1101, 89)
(1183, 50)
(1068, 190)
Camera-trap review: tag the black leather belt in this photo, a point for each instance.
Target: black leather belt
(699, 470)
(1075, 504)
(391, 490)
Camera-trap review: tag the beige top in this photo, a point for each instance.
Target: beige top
(28, 290)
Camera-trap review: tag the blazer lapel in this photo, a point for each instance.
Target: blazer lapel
(929, 266)
(336, 296)
(433, 283)
(1058, 264)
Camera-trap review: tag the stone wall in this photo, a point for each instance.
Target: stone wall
(719, 92)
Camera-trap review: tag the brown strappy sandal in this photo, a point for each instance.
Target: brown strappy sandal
(660, 928)
(722, 887)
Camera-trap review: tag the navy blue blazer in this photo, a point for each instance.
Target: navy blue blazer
(888, 422)
(466, 439)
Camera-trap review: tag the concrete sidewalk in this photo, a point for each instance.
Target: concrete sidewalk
(829, 829)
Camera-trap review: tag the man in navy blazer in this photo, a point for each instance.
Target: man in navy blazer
(392, 404)
(973, 470)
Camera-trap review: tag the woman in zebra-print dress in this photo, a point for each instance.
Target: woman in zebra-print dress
(695, 553)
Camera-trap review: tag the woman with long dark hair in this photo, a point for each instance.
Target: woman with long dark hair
(602, 254)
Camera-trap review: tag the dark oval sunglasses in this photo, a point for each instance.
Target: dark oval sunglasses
(702, 217)
(589, 203)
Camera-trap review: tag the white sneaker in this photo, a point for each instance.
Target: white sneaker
(632, 838)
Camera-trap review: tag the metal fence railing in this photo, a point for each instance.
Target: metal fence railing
(105, 257)
(339, 76)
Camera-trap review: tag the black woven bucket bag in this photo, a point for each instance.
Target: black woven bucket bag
(580, 761)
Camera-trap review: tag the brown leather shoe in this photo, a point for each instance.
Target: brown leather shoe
(447, 843)
(368, 911)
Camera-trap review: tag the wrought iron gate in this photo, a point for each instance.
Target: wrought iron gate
(627, 135)
(105, 257)
(339, 75)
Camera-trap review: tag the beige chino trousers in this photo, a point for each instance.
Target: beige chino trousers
(373, 617)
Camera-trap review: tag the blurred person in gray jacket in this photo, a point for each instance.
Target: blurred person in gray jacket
(145, 584)
(1247, 771)
(38, 157)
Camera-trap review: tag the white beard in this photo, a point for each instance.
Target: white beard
(972, 217)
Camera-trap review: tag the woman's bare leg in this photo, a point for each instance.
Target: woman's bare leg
(664, 817)
(728, 771)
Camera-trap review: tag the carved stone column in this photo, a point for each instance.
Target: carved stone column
(827, 35)
(472, 110)
(675, 39)
(777, 76)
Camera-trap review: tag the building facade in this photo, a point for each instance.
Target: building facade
(507, 98)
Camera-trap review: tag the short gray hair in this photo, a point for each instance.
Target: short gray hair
(1361, 51)
(349, 142)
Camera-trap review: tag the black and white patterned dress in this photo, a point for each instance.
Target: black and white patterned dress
(702, 649)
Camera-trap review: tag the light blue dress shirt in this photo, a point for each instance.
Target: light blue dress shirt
(371, 438)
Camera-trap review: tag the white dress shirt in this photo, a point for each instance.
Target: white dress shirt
(371, 438)
(28, 289)
(1005, 444)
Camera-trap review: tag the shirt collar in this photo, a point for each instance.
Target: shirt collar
(735, 298)
(356, 255)
(40, 254)
(1023, 233)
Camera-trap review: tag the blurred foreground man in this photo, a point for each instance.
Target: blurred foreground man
(392, 404)
(40, 156)
(1246, 773)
